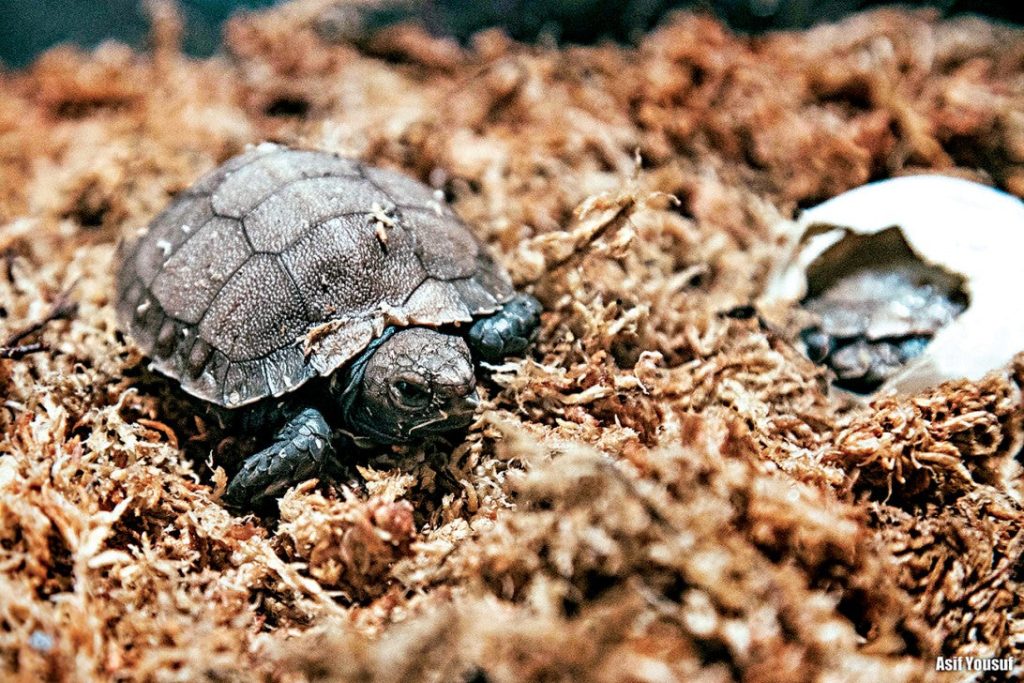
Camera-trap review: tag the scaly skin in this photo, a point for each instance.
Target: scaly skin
(873, 322)
(509, 331)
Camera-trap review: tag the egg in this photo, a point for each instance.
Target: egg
(927, 269)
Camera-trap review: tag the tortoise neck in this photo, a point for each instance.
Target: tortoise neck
(346, 387)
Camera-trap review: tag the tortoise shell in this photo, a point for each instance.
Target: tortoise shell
(283, 264)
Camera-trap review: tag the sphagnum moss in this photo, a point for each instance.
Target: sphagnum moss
(660, 491)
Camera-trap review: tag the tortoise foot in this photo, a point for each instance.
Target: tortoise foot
(509, 331)
(299, 452)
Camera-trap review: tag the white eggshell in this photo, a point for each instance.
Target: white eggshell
(965, 228)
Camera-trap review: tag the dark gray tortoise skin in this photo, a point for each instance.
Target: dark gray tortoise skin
(326, 297)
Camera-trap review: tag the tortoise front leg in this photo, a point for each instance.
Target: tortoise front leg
(509, 331)
(300, 449)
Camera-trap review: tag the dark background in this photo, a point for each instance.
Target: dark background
(30, 26)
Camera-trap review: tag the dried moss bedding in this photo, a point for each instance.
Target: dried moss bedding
(661, 491)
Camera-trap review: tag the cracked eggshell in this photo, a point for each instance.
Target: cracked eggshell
(963, 227)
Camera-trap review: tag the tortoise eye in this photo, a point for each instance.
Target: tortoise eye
(410, 394)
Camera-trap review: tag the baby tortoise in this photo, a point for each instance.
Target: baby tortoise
(874, 321)
(305, 290)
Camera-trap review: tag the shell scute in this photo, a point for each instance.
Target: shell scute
(192, 277)
(255, 311)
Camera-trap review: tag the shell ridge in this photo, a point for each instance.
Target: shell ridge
(262, 356)
(415, 289)
(376, 185)
(306, 310)
(312, 227)
(196, 189)
(277, 189)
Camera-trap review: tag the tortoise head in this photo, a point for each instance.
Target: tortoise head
(409, 384)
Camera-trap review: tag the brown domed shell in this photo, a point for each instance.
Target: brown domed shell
(283, 264)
